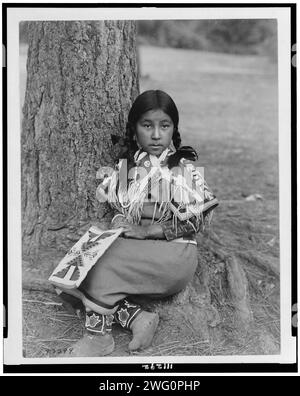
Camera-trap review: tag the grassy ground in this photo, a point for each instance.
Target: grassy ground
(228, 112)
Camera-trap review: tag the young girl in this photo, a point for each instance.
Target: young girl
(161, 202)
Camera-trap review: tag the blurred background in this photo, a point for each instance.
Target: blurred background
(235, 36)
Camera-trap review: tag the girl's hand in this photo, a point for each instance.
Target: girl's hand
(135, 231)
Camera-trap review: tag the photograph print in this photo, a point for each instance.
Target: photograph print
(149, 179)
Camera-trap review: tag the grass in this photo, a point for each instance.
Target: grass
(48, 330)
(228, 112)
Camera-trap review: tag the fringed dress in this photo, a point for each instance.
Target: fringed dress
(150, 193)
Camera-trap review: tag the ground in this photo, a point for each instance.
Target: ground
(228, 113)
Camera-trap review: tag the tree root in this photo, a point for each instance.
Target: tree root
(257, 259)
(33, 283)
(238, 288)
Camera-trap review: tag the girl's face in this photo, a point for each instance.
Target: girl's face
(154, 131)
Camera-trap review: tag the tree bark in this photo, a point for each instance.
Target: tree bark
(82, 77)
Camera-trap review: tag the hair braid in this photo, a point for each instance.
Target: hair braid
(186, 152)
(176, 138)
(130, 143)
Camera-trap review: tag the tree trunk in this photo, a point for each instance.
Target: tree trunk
(81, 80)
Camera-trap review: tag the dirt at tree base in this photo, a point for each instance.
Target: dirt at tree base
(230, 308)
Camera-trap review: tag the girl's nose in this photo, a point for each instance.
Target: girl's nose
(156, 133)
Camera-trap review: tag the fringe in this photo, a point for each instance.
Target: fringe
(165, 212)
(130, 201)
(113, 198)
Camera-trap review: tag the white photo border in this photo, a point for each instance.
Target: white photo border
(13, 344)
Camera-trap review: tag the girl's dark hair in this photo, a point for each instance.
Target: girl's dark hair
(154, 100)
